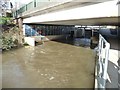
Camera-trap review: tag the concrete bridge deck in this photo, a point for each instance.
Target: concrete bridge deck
(70, 12)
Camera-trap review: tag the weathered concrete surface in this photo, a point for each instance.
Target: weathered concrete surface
(113, 63)
(113, 69)
(53, 65)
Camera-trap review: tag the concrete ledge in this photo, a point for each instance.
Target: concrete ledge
(40, 38)
(30, 41)
(54, 37)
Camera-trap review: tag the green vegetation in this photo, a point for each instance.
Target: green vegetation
(10, 36)
(7, 43)
(5, 20)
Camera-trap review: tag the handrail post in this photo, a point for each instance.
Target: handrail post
(106, 63)
(34, 3)
(26, 7)
(102, 62)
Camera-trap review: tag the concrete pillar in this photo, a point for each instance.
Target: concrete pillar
(20, 24)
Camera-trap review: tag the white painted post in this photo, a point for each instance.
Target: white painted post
(106, 63)
(102, 62)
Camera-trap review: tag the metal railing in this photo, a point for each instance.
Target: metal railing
(38, 4)
(102, 64)
(27, 7)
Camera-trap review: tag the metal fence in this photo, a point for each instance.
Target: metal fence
(102, 63)
(39, 4)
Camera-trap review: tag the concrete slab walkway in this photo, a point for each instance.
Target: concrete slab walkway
(113, 64)
(113, 69)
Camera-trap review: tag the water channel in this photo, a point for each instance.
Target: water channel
(50, 65)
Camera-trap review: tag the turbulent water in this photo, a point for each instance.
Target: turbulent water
(51, 65)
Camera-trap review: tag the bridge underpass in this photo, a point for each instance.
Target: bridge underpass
(79, 15)
(54, 63)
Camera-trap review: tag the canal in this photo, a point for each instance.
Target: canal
(50, 65)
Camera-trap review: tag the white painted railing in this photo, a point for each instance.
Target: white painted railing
(102, 63)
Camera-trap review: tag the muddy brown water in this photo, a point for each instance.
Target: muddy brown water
(51, 65)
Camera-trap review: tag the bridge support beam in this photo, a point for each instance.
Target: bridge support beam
(20, 25)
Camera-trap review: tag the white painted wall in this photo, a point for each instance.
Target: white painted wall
(30, 41)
